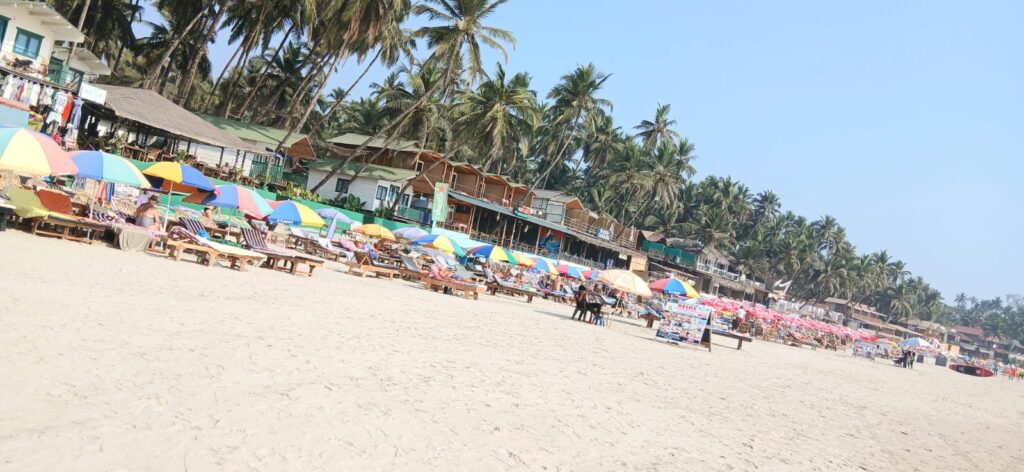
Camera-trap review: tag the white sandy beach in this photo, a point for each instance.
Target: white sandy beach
(122, 361)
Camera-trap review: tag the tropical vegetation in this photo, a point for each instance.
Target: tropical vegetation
(442, 94)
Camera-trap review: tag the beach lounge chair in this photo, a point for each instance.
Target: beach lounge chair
(411, 269)
(323, 248)
(496, 285)
(435, 280)
(794, 339)
(280, 258)
(43, 221)
(363, 265)
(181, 240)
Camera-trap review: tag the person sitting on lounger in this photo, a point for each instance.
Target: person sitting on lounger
(147, 215)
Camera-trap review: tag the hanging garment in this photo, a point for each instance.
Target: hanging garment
(67, 107)
(76, 113)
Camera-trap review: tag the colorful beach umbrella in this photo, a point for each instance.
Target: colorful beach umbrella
(332, 214)
(99, 165)
(523, 259)
(544, 266)
(916, 343)
(571, 271)
(591, 274)
(625, 280)
(410, 233)
(494, 253)
(292, 212)
(240, 198)
(29, 152)
(376, 231)
(440, 242)
(175, 176)
(674, 286)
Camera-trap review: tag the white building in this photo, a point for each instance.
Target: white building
(377, 186)
(35, 42)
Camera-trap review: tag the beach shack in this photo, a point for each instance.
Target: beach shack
(286, 165)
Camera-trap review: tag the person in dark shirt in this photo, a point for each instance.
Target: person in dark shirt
(581, 303)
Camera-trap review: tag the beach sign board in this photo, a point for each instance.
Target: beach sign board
(684, 323)
(439, 211)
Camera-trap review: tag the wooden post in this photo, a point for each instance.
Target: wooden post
(221, 160)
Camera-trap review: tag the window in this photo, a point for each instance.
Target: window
(455, 178)
(341, 185)
(405, 199)
(3, 27)
(393, 193)
(27, 44)
(382, 193)
(418, 167)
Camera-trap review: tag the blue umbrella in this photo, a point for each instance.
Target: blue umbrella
(332, 214)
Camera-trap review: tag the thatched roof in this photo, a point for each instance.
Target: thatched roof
(153, 110)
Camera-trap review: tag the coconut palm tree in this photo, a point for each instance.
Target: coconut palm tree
(652, 133)
(496, 115)
(574, 100)
(455, 42)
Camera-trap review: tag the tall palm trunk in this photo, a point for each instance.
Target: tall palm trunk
(162, 63)
(392, 126)
(336, 104)
(426, 170)
(312, 103)
(236, 73)
(121, 47)
(185, 89)
(543, 177)
(220, 77)
(266, 67)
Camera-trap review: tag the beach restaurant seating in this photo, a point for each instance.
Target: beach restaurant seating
(280, 258)
(181, 240)
(363, 265)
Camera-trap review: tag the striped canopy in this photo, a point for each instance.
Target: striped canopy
(178, 177)
(32, 153)
(494, 253)
(99, 165)
(441, 242)
(240, 198)
(292, 212)
(674, 286)
(544, 266)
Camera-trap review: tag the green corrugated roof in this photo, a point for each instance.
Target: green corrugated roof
(356, 140)
(374, 171)
(252, 132)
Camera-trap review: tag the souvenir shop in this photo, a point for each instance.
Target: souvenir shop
(55, 109)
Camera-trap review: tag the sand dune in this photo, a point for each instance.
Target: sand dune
(122, 361)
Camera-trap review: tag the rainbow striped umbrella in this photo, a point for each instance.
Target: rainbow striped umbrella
(544, 266)
(376, 231)
(240, 198)
(441, 242)
(493, 253)
(591, 274)
(523, 259)
(177, 176)
(674, 286)
(570, 271)
(28, 152)
(292, 212)
(99, 165)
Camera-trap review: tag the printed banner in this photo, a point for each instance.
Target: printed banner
(440, 208)
(550, 240)
(684, 322)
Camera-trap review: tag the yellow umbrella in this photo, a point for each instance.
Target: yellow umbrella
(625, 280)
(376, 231)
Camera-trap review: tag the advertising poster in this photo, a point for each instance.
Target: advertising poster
(684, 323)
(550, 240)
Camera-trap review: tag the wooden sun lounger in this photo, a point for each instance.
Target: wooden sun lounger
(280, 259)
(739, 337)
(363, 265)
(180, 241)
(493, 287)
(68, 227)
(411, 270)
(467, 290)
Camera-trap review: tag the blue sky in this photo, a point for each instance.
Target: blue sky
(904, 120)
